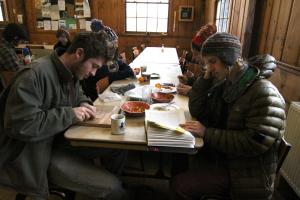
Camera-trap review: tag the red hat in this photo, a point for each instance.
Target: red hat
(204, 32)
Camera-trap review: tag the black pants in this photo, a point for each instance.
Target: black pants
(206, 178)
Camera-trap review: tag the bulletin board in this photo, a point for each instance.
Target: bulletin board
(67, 14)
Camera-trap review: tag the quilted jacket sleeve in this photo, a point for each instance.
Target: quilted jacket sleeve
(264, 123)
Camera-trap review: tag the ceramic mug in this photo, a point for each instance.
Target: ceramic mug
(117, 124)
(143, 68)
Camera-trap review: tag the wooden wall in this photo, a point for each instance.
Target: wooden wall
(112, 13)
(241, 22)
(280, 37)
(271, 26)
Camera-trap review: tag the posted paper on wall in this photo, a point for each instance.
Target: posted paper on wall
(61, 5)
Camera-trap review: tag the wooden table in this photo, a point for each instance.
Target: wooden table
(135, 135)
(155, 55)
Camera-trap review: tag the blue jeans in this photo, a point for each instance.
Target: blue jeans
(73, 168)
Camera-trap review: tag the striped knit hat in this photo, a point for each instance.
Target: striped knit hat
(204, 32)
(225, 46)
(97, 25)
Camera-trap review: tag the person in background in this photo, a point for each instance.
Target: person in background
(241, 118)
(40, 104)
(13, 34)
(112, 71)
(195, 62)
(63, 43)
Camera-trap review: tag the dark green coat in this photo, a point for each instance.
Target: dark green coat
(254, 125)
(37, 106)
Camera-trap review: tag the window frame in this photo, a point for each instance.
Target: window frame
(222, 18)
(4, 12)
(145, 33)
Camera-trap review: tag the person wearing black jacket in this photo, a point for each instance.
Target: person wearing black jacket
(113, 70)
(91, 84)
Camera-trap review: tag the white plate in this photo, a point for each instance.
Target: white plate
(164, 107)
(169, 90)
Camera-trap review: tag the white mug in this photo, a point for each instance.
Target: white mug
(117, 124)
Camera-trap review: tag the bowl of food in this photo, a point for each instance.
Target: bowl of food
(134, 108)
(160, 97)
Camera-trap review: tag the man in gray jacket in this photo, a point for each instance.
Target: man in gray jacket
(241, 118)
(40, 104)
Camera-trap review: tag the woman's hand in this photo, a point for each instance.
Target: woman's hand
(183, 89)
(194, 127)
(182, 79)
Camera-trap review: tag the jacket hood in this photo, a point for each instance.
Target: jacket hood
(265, 63)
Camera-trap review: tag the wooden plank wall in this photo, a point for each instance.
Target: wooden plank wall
(241, 22)
(279, 36)
(112, 13)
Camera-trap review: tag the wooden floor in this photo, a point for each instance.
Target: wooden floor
(157, 189)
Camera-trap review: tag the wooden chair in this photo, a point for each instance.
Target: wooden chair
(283, 150)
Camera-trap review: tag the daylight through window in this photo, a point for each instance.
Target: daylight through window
(147, 15)
(222, 17)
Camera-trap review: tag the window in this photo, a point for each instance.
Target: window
(222, 17)
(3, 13)
(147, 15)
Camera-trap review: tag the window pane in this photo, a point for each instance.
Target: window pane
(218, 10)
(131, 24)
(226, 12)
(162, 25)
(141, 24)
(218, 25)
(147, 15)
(163, 10)
(152, 10)
(131, 9)
(1, 14)
(151, 25)
(141, 10)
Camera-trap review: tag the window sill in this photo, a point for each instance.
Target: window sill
(144, 34)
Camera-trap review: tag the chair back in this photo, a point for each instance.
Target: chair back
(283, 150)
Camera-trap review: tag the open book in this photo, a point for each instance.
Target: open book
(162, 128)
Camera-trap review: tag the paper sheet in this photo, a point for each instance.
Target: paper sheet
(54, 12)
(62, 23)
(61, 5)
(82, 24)
(88, 26)
(47, 25)
(54, 25)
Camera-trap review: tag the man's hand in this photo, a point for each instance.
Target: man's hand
(183, 89)
(194, 127)
(85, 112)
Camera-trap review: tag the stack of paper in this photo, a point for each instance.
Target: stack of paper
(163, 129)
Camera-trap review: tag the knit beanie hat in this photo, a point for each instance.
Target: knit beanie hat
(225, 46)
(97, 25)
(204, 32)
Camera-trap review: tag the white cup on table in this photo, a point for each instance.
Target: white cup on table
(117, 124)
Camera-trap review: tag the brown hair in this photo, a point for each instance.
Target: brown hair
(94, 45)
(61, 31)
